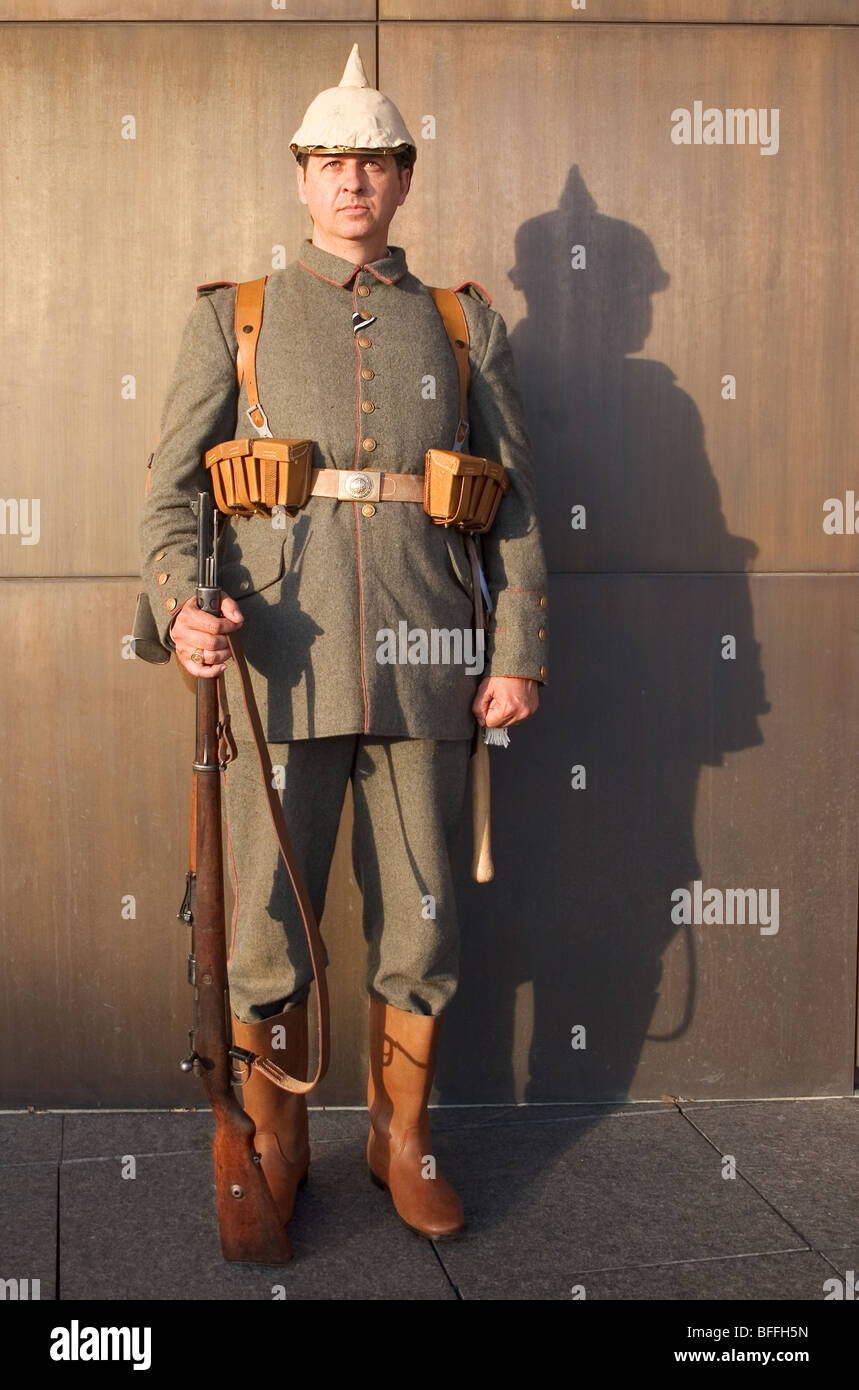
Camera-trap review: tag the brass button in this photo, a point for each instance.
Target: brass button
(543, 601)
(171, 604)
(363, 290)
(542, 633)
(368, 509)
(368, 444)
(245, 584)
(161, 554)
(365, 342)
(367, 374)
(542, 670)
(162, 578)
(367, 407)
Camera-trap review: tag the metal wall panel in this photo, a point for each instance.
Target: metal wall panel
(703, 262)
(187, 9)
(622, 11)
(109, 236)
(737, 773)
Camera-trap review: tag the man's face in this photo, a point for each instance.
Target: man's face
(352, 196)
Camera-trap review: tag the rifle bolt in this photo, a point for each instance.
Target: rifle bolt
(187, 1063)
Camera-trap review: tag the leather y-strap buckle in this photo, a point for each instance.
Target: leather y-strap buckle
(263, 428)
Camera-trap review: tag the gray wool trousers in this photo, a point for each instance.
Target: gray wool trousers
(409, 797)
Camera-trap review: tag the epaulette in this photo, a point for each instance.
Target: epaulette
(209, 285)
(476, 291)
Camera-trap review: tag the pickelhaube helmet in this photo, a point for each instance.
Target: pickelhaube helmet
(352, 117)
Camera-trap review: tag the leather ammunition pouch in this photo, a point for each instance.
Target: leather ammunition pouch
(255, 475)
(463, 491)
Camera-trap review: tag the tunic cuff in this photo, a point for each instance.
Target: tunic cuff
(519, 636)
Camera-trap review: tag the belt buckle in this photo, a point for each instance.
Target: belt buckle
(358, 487)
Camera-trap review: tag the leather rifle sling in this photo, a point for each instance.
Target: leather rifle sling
(267, 1068)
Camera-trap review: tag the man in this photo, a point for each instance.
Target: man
(353, 355)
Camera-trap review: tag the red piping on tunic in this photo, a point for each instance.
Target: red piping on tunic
(465, 284)
(341, 284)
(355, 513)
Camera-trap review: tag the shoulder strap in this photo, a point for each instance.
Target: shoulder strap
(456, 327)
(248, 321)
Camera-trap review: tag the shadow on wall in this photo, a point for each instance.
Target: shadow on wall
(579, 911)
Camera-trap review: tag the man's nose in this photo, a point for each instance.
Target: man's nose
(353, 175)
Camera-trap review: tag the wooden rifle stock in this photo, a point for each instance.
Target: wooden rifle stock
(251, 1230)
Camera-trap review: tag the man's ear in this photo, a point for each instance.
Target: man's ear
(299, 179)
(405, 185)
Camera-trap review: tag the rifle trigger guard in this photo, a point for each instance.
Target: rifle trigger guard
(240, 1057)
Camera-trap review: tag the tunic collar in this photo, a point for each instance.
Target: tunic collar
(326, 266)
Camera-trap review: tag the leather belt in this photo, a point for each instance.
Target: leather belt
(355, 485)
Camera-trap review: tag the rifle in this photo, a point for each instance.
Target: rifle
(250, 1228)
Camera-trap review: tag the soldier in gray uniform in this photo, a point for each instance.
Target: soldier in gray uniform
(353, 355)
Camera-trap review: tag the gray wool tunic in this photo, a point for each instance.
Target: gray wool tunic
(321, 590)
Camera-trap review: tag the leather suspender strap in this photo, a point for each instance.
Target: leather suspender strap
(248, 321)
(456, 327)
(318, 955)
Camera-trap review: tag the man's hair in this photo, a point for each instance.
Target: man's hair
(405, 156)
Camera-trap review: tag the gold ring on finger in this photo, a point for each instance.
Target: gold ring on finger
(198, 656)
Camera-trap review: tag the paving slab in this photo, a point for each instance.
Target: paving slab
(28, 1227)
(800, 1274)
(454, 1117)
(93, 1134)
(112, 1133)
(29, 1136)
(801, 1155)
(156, 1236)
(547, 1202)
(845, 1259)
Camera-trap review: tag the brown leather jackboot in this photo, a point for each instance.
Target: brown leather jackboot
(399, 1150)
(282, 1137)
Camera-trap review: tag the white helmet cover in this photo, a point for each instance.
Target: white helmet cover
(352, 116)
